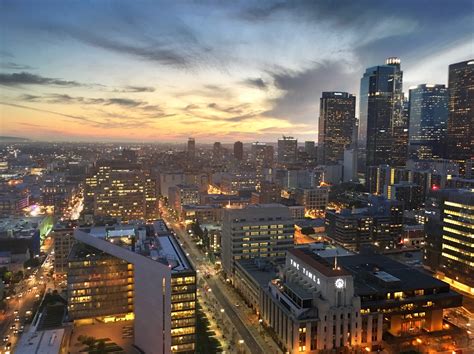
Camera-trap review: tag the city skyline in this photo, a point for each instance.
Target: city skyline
(142, 72)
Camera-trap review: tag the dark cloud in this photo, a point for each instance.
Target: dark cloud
(256, 83)
(133, 89)
(14, 66)
(190, 107)
(238, 109)
(123, 102)
(25, 78)
(302, 90)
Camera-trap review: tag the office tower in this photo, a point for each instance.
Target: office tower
(400, 136)
(238, 150)
(257, 231)
(380, 224)
(310, 149)
(151, 197)
(116, 188)
(123, 272)
(449, 229)
(313, 199)
(217, 151)
(349, 172)
(268, 192)
(263, 156)
(336, 126)
(408, 193)
(381, 110)
(63, 238)
(182, 195)
(461, 111)
(287, 150)
(122, 196)
(191, 148)
(428, 121)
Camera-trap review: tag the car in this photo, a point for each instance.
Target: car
(15, 312)
(6, 338)
(13, 326)
(8, 346)
(17, 319)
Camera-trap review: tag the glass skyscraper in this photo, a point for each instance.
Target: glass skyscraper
(428, 121)
(461, 111)
(336, 125)
(381, 113)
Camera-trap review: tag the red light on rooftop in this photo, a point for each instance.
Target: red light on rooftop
(435, 187)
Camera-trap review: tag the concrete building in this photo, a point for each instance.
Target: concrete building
(287, 150)
(312, 198)
(182, 195)
(63, 238)
(380, 225)
(135, 272)
(257, 231)
(326, 299)
(238, 150)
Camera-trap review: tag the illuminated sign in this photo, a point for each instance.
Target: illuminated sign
(306, 272)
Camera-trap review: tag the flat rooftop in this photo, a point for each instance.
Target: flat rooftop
(41, 342)
(155, 241)
(375, 274)
(260, 270)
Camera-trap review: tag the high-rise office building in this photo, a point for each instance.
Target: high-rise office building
(287, 150)
(310, 149)
(400, 136)
(461, 111)
(428, 121)
(263, 157)
(191, 148)
(381, 111)
(118, 189)
(257, 231)
(449, 236)
(126, 272)
(239, 150)
(336, 126)
(217, 151)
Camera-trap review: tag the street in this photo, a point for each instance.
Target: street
(254, 341)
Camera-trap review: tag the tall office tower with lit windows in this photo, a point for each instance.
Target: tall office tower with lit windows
(428, 121)
(336, 126)
(381, 113)
(287, 150)
(461, 111)
(449, 236)
(138, 273)
(238, 150)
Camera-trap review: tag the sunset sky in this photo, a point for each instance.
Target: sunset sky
(215, 70)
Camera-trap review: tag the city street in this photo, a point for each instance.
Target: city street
(20, 305)
(248, 332)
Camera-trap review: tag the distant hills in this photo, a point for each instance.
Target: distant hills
(13, 139)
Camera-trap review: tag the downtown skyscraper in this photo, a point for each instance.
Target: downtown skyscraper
(381, 126)
(461, 111)
(428, 120)
(336, 125)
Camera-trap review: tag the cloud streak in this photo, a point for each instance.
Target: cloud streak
(25, 78)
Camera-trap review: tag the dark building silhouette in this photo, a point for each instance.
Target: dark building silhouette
(239, 150)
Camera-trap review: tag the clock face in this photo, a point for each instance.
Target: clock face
(339, 283)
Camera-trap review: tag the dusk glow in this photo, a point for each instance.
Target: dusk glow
(163, 71)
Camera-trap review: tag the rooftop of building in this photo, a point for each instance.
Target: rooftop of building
(322, 264)
(378, 274)
(155, 241)
(23, 225)
(41, 342)
(261, 270)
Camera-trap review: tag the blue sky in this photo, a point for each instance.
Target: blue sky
(166, 70)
